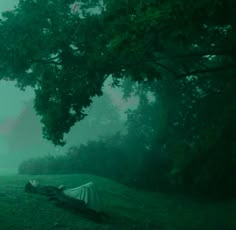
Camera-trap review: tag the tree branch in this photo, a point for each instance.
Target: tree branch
(52, 60)
(197, 54)
(168, 69)
(207, 70)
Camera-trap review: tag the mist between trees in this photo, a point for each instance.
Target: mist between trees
(178, 57)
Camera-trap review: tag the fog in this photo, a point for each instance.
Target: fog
(21, 130)
(12, 101)
(7, 5)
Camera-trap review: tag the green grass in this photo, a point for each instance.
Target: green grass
(128, 208)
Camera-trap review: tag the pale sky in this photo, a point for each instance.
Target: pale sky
(7, 4)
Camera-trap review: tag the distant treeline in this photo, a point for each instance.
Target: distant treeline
(110, 158)
(164, 149)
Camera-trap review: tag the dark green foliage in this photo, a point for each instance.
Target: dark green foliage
(99, 158)
(182, 51)
(179, 142)
(132, 159)
(95, 159)
(50, 46)
(200, 145)
(211, 171)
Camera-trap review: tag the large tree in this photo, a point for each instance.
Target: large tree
(66, 49)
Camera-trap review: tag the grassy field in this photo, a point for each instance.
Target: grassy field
(127, 208)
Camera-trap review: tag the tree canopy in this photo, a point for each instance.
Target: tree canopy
(66, 49)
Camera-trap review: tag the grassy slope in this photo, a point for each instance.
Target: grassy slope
(128, 208)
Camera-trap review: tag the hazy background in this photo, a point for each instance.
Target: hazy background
(20, 128)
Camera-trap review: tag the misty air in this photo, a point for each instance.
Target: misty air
(117, 115)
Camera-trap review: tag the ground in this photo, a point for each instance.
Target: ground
(128, 208)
